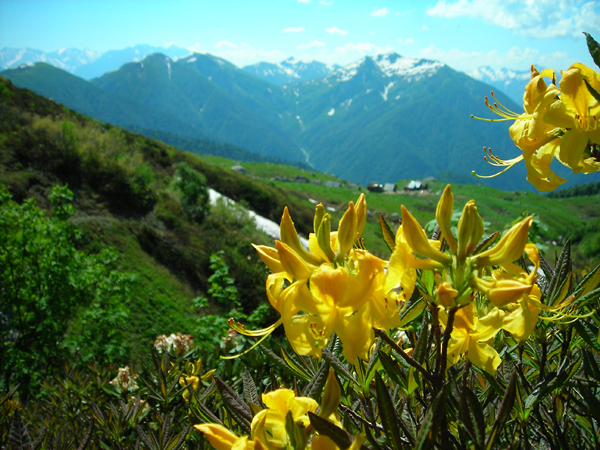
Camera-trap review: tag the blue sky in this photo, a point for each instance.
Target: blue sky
(464, 34)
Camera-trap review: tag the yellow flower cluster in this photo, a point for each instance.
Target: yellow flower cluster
(558, 123)
(269, 430)
(508, 297)
(335, 286)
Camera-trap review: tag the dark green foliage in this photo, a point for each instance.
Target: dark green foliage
(195, 197)
(577, 191)
(45, 280)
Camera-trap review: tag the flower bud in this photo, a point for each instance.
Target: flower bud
(509, 248)
(319, 214)
(331, 396)
(292, 263)
(416, 239)
(446, 295)
(289, 236)
(270, 257)
(347, 231)
(443, 215)
(470, 230)
(324, 237)
(361, 214)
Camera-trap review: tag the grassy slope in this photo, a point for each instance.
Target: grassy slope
(170, 254)
(499, 208)
(124, 197)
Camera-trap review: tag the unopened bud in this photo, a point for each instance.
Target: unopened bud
(443, 215)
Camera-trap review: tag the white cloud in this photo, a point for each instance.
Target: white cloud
(361, 49)
(303, 1)
(311, 44)
(537, 18)
(380, 12)
(170, 44)
(424, 28)
(336, 30)
(515, 58)
(244, 53)
(293, 30)
(324, 2)
(225, 44)
(195, 48)
(407, 41)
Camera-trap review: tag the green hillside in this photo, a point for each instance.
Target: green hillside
(128, 197)
(134, 197)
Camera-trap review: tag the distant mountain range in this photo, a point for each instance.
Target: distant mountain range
(382, 118)
(89, 64)
(511, 82)
(290, 71)
(86, 64)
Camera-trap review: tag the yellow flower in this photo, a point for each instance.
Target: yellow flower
(532, 133)
(268, 425)
(458, 268)
(335, 287)
(578, 113)
(470, 335)
(223, 439)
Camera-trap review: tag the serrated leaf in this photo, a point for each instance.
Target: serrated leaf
(551, 381)
(235, 405)
(431, 422)
(487, 243)
(19, 438)
(591, 367)
(339, 436)
(387, 233)
(392, 369)
(588, 332)
(389, 420)
(420, 352)
(337, 365)
(593, 91)
(504, 410)
(471, 416)
(593, 47)
(250, 392)
(86, 438)
(590, 282)
(315, 386)
(413, 311)
(563, 267)
(590, 400)
(294, 367)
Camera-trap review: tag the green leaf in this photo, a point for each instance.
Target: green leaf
(294, 367)
(588, 332)
(471, 416)
(504, 411)
(389, 420)
(591, 367)
(412, 312)
(235, 405)
(392, 369)
(337, 365)
(250, 393)
(432, 421)
(340, 437)
(590, 282)
(315, 386)
(19, 438)
(388, 234)
(593, 91)
(421, 349)
(594, 48)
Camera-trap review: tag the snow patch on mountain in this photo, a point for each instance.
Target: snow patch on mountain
(391, 65)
